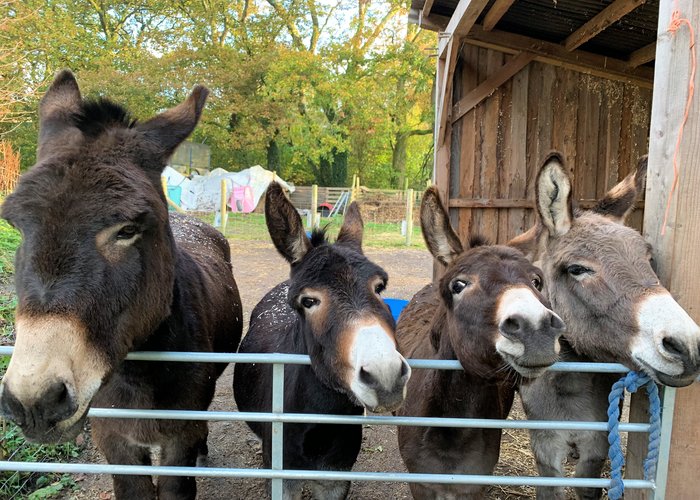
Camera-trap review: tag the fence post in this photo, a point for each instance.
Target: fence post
(277, 428)
(409, 216)
(352, 189)
(314, 206)
(224, 212)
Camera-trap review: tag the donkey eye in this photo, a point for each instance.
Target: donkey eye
(127, 232)
(458, 286)
(576, 270)
(379, 288)
(309, 302)
(537, 283)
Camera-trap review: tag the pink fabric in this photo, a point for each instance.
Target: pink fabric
(242, 199)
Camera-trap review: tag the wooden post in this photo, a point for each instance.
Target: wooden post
(224, 211)
(409, 216)
(314, 206)
(677, 251)
(352, 189)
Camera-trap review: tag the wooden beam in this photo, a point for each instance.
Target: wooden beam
(609, 15)
(445, 96)
(496, 12)
(433, 22)
(463, 18)
(642, 56)
(427, 7)
(677, 252)
(557, 55)
(514, 203)
(506, 72)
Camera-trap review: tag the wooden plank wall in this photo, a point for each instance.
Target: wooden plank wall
(600, 126)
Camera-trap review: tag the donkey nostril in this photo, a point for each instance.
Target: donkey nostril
(674, 347)
(512, 325)
(11, 407)
(367, 378)
(404, 368)
(57, 403)
(557, 323)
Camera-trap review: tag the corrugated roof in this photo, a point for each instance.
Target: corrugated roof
(554, 20)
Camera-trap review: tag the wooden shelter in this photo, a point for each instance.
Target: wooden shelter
(604, 82)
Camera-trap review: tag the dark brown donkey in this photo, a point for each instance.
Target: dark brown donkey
(487, 312)
(330, 309)
(599, 279)
(102, 271)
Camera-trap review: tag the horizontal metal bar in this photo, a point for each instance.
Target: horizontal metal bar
(144, 470)
(303, 359)
(478, 423)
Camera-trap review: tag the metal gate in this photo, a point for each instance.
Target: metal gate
(277, 474)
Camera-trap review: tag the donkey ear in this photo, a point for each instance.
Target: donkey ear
(56, 108)
(167, 130)
(554, 196)
(284, 224)
(351, 231)
(618, 203)
(439, 236)
(528, 242)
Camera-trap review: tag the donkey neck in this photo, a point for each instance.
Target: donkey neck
(464, 393)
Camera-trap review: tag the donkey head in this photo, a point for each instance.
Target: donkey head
(492, 308)
(336, 291)
(600, 280)
(95, 270)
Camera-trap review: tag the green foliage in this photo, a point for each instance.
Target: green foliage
(37, 486)
(9, 241)
(320, 90)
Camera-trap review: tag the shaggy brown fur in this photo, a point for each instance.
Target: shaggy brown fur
(102, 271)
(333, 291)
(459, 318)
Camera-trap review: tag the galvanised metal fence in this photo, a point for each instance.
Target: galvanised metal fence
(277, 474)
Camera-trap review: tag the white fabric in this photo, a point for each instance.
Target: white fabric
(203, 192)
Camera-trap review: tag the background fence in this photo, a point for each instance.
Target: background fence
(278, 418)
(385, 213)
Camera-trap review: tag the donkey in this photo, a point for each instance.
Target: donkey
(331, 309)
(102, 271)
(600, 280)
(488, 312)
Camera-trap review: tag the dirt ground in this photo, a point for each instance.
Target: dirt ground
(257, 267)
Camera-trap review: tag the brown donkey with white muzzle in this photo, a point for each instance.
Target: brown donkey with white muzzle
(331, 309)
(600, 280)
(486, 311)
(103, 270)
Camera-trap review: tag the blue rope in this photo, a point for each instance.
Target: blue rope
(631, 382)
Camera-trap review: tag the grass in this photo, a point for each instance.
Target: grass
(377, 234)
(9, 241)
(13, 446)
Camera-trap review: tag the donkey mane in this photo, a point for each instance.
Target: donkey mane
(477, 240)
(319, 236)
(96, 116)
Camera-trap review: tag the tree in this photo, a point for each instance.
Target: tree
(313, 89)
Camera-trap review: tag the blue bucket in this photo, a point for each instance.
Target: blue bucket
(396, 306)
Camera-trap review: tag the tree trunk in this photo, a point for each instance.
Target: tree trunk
(333, 172)
(398, 158)
(273, 157)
